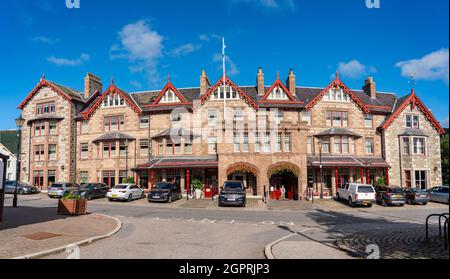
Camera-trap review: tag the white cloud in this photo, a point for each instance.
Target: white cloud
(433, 66)
(58, 61)
(232, 68)
(44, 40)
(273, 4)
(184, 50)
(354, 69)
(445, 123)
(135, 84)
(142, 46)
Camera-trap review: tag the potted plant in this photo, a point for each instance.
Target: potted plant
(197, 184)
(73, 205)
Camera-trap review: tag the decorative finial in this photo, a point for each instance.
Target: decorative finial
(278, 75)
(168, 78)
(43, 77)
(337, 74)
(112, 81)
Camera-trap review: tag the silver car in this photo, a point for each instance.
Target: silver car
(59, 190)
(439, 194)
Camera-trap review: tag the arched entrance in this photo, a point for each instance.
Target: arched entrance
(246, 173)
(284, 175)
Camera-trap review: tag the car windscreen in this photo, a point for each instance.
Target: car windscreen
(444, 190)
(365, 189)
(121, 187)
(163, 186)
(233, 186)
(89, 186)
(57, 186)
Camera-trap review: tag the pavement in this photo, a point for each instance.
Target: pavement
(198, 229)
(30, 232)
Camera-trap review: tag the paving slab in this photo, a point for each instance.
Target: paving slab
(27, 231)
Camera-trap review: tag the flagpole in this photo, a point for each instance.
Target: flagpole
(224, 79)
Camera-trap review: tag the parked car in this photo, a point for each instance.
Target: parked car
(233, 193)
(22, 188)
(125, 192)
(417, 196)
(390, 195)
(165, 192)
(93, 190)
(357, 194)
(439, 194)
(59, 190)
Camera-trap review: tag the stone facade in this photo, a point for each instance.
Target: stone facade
(99, 140)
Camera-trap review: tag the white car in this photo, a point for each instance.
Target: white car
(357, 194)
(125, 192)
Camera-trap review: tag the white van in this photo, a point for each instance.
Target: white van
(357, 194)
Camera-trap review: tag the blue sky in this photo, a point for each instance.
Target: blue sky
(180, 38)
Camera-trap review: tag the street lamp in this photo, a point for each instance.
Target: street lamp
(19, 123)
(321, 170)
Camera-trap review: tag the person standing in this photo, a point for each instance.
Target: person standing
(283, 193)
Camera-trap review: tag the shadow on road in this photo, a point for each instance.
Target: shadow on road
(22, 216)
(359, 235)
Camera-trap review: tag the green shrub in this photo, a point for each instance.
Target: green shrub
(72, 197)
(197, 184)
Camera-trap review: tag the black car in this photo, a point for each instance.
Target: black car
(22, 188)
(165, 192)
(390, 195)
(92, 190)
(233, 193)
(417, 196)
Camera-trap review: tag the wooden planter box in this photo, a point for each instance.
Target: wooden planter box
(72, 207)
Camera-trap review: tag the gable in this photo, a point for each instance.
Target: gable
(44, 83)
(414, 101)
(112, 97)
(232, 92)
(340, 92)
(169, 95)
(278, 92)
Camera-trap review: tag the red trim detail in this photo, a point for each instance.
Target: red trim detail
(169, 86)
(338, 83)
(278, 84)
(362, 175)
(167, 105)
(387, 177)
(415, 102)
(208, 94)
(280, 102)
(381, 107)
(111, 89)
(41, 84)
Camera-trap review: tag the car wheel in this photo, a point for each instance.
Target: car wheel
(130, 198)
(21, 192)
(410, 202)
(338, 198)
(143, 195)
(110, 200)
(169, 200)
(89, 197)
(370, 206)
(350, 202)
(384, 203)
(425, 203)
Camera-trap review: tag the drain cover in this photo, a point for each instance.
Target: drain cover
(41, 235)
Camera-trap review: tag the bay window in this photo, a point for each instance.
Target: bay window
(419, 146)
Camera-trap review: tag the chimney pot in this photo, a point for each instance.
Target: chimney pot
(370, 88)
(204, 83)
(291, 82)
(92, 83)
(260, 82)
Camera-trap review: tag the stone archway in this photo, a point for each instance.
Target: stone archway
(245, 172)
(284, 174)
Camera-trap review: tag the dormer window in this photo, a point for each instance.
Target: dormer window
(412, 121)
(230, 93)
(113, 100)
(336, 95)
(45, 108)
(170, 97)
(278, 94)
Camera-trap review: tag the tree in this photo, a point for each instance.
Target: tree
(445, 159)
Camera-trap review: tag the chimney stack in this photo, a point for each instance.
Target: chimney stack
(204, 83)
(260, 82)
(370, 88)
(92, 83)
(291, 82)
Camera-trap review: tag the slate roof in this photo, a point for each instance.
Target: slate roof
(68, 91)
(114, 136)
(347, 161)
(181, 162)
(10, 139)
(338, 132)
